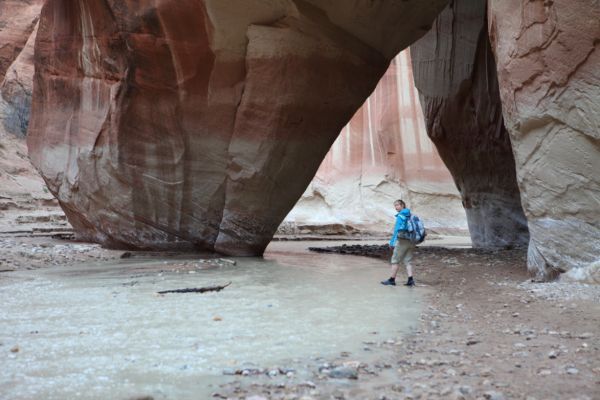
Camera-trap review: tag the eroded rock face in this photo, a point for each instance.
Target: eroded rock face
(455, 73)
(15, 91)
(381, 155)
(20, 185)
(162, 124)
(18, 18)
(548, 60)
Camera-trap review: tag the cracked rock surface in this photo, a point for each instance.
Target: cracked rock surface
(549, 74)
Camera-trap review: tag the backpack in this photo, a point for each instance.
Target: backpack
(416, 230)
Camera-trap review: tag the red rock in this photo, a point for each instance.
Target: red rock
(20, 185)
(15, 91)
(548, 62)
(17, 20)
(456, 76)
(200, 123)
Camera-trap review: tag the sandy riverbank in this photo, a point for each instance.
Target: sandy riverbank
(487, 332)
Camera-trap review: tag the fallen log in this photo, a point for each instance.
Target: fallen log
(197, 290)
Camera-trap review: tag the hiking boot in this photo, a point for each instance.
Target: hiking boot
(410, 282)
(389, 282)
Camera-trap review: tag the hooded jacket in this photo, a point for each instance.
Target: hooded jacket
(400, 227)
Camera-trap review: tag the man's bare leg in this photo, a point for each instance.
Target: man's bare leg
(409, 272)
(393, 272)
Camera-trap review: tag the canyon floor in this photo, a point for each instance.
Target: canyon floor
(485, 330)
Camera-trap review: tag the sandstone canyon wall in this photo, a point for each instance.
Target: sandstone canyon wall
(456, 76)
(161, 124)
(16, 90)
(20, 185)
(18, 26)
(381, 155)
(548, 60)
(17, 20)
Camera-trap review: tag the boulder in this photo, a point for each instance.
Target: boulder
(198, 124)
(455, 74)
(548, 60)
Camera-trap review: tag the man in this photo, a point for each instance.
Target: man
(403, 248)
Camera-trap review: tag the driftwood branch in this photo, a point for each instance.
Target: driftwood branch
(197, 290)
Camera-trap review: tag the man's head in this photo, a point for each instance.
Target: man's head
(399, 205)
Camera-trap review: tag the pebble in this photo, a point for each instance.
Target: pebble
(343, 373)
(553, 354)
(572, 371)
(464, 389)
(544, 372)
(492, 395)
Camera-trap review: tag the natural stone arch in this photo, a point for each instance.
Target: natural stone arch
(161, 124)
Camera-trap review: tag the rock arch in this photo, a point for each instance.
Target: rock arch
(161, 124)
(198, 123)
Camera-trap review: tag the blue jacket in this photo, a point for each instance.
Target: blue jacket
(400, 226)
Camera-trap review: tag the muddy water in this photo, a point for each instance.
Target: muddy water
(100, 331)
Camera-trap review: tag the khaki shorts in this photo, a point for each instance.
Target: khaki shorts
(403, 252)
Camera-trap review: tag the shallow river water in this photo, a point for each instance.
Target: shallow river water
(101, 331)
